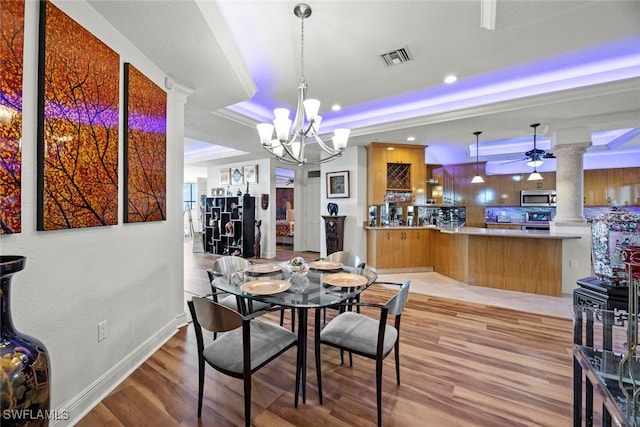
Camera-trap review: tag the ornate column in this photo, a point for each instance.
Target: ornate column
(569, 146)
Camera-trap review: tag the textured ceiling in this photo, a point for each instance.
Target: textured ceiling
(560, 63)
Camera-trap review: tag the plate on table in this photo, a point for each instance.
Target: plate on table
(263, 268)
(265, 287)
(345, 280)
(325, 265)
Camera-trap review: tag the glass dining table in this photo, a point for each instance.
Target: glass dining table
(327, 285)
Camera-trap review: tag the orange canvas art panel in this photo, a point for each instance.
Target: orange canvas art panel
(78, 96)
(11, 58)
(145, 148)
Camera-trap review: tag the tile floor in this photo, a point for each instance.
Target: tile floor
(435, 284)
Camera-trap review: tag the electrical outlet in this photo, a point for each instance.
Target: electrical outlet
(102, 330)
(573, 264)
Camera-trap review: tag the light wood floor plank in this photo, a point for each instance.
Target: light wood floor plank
(461, 365)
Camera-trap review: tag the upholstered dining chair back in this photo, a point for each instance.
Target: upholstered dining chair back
(346, 258)
(216, 317)
(226, 265)
(396, 303)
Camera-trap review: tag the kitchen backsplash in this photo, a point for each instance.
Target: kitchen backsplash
(517, 214)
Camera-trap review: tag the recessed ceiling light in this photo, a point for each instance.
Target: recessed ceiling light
(336, 107)
(390, 148)
(450, 78)
(411, 138)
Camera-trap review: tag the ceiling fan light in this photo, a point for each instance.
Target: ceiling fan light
(535, 176)
(477, 180)
(534, 163)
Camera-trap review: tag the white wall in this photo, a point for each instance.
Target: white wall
(353, 160)
(130, 275)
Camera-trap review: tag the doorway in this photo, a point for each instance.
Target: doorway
(285, 204)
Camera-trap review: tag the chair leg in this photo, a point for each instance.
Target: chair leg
(317, 351)
(350, 360)
(379, 389)
(293, 320)
(397, 354)
(200, 383)
(281, 317)
(247, 400)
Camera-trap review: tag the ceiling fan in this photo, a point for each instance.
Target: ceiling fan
(284, 180)
(534, 157)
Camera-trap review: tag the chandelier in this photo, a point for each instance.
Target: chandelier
(291, 136)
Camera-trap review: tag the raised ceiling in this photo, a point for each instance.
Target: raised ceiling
(560, 63)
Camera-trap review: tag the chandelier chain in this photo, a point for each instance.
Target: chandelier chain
(302, 48)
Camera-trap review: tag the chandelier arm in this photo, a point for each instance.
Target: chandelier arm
(324, 146)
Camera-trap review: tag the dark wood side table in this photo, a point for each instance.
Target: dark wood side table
(606, 300)
(334, 232)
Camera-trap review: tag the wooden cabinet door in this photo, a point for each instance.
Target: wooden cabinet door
(595, 187)
(623, 186)
(419, 248)
(377, 175)
(386, 246)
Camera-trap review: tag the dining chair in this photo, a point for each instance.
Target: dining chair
(226, 266)
(247, 345)
(365, 336)
(349, 259)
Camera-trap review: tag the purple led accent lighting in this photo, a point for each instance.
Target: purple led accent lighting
(147, 124)
(599, 64)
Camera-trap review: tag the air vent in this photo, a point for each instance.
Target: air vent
(396, 57)
(313, 174)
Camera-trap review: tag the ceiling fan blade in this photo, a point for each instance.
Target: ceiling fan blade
(516, 160)
(548, 156)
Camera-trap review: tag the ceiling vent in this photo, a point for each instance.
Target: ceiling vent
(396, 57)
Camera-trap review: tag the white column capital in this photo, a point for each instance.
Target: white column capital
(577, 136)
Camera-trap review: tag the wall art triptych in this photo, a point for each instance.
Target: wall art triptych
(11, 58)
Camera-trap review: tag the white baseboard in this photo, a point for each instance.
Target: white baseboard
(91, 396)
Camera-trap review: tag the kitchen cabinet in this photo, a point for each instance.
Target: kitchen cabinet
(399, 248)
(402, 169)
(606, 187)
(595, 187)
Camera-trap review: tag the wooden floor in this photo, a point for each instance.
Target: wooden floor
(461, 365)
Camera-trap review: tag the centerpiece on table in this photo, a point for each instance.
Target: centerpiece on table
(298, 269)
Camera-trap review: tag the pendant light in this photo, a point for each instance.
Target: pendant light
(477, 179)
(535, 176)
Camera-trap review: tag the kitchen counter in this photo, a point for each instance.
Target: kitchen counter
(477, 231)
(525, 261)
(496, 232)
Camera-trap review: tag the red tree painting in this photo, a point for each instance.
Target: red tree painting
(78, 125)
(11, 63)
(145, 148)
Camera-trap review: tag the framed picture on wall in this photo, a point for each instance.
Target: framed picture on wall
(225, 176)
(236, 175)
(337, 185)
(251, 174)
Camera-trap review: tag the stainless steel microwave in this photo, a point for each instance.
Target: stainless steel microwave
(538, 198)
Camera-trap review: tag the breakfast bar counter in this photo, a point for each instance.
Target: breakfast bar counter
(525, 261)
